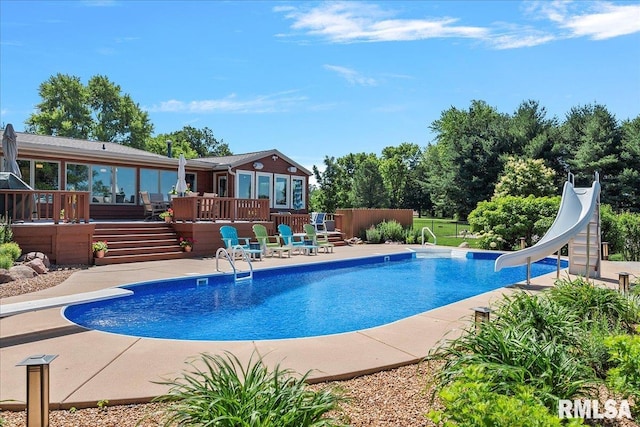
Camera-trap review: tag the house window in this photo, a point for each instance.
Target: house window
(40, 174)
(281, 191)
(263, 186)
(101, 184)
(244, 188)
(298, 194)
(222, 186)
(158, 181)
(77, 177)
(125, 185)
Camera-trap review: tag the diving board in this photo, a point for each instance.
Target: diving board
(44, 303)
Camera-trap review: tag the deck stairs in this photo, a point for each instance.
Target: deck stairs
(137, 242)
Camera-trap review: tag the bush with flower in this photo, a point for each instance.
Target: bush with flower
(186, 241)
(167, 214)
(100, 245)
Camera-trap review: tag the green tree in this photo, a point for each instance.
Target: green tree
(629, 178)
(64, 109)
(525, 177)
(397, 167)
(590, 141)
(368, 187)
(190, 141)
(97, 111)
(202, 141)
(116, 117)
(470, 146)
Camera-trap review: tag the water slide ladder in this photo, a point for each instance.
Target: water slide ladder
(238, 275)
(585, 247)
(435, 239)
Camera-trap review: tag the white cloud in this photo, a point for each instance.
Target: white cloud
(610, 21)
(347, 22)
(352, 76)
(352, 22)
(282, 101)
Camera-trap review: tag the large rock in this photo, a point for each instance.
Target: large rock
(37, 255)
(5, 276)
(22, 272)
(463, 245)
(37, 265)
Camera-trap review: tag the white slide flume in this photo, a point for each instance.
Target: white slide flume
(578, 207)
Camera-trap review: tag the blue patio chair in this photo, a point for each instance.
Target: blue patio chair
(288, 239)
(318, 221)
(233, 243)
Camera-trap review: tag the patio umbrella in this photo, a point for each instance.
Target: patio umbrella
(10, 150)
(181, 185)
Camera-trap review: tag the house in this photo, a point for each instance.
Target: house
(79, 185)
(115, 174)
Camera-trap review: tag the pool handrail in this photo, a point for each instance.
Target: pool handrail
(231, 258)
(435, 239)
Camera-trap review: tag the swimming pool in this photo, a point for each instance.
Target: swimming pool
(300, 301)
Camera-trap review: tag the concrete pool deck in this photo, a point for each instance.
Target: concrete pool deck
(94, 366)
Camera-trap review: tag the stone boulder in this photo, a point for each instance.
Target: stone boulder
(463, 245)
(18, 272)
(37, 255)
(5, 276)
(37, 265)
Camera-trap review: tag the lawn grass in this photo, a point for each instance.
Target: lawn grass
(448, 232)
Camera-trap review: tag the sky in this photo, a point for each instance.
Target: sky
(316, 79)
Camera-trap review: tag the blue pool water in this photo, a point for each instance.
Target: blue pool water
(299, 301)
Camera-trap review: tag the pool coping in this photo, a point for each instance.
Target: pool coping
(94, 366)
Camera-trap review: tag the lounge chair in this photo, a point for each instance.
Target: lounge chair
(318, 221)
(233, 245)
(296, 243)
(152, 210)
(319, 240)
(267, 243)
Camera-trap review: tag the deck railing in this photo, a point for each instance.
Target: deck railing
(199, 208)
(295, 221)
(51, 205)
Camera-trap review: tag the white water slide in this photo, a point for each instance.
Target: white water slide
(577, 223)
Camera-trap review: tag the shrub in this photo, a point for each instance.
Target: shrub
(6, 233)
(373, 235)
(6, 261)
(624, 352)
(510, 218)
(532, 342)
(469, 401)
(11, 249)
(391, 230)
(225, 393)
(629, 227)
(414, 236)
(595, 303)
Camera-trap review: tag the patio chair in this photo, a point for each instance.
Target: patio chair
(267, 244)
(296, 243)
(152, 210)
(233, 245)
(320, 240)
(318, 221)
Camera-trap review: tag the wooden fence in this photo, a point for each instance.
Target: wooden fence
(354, 222)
